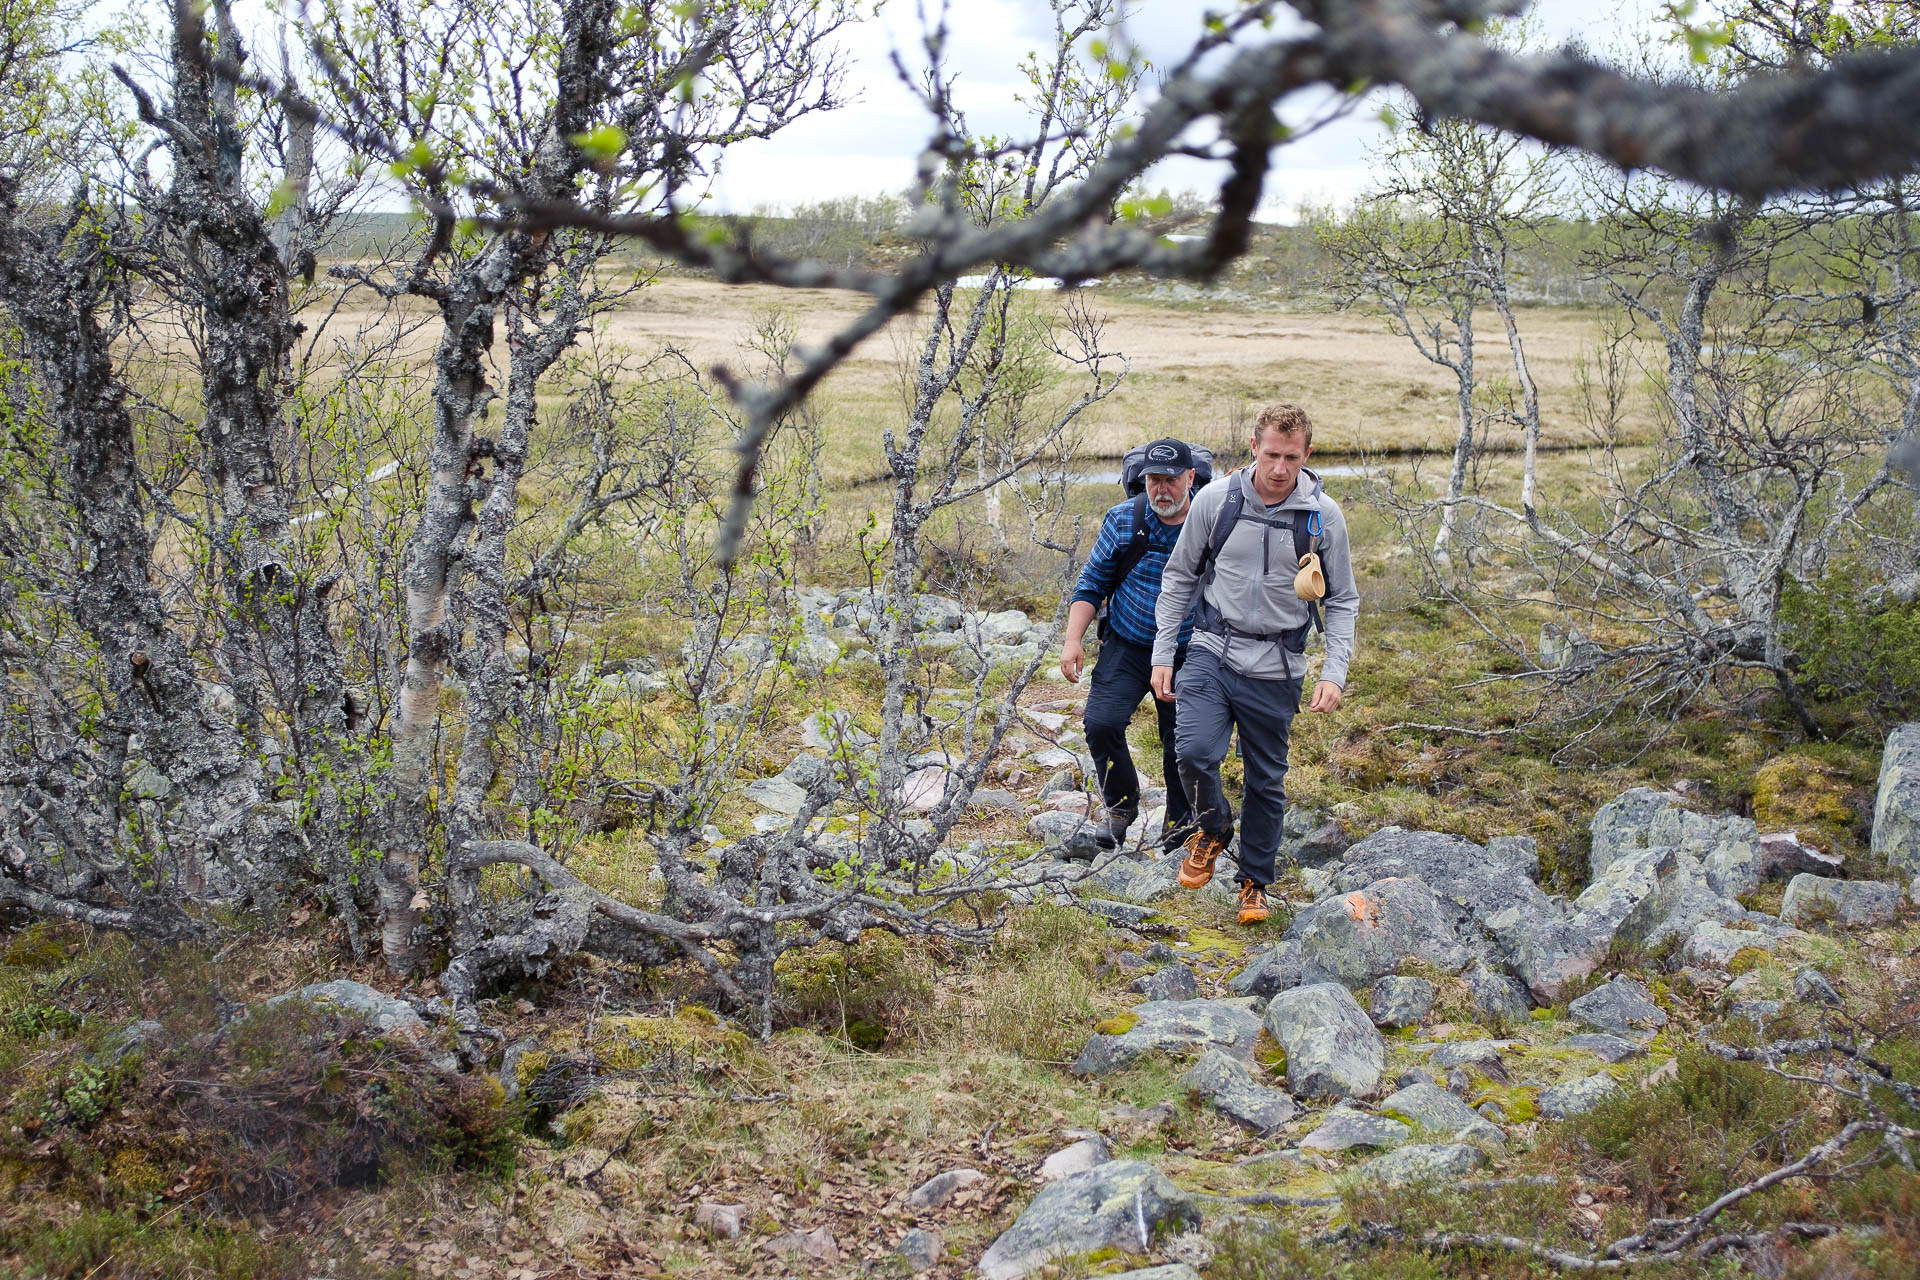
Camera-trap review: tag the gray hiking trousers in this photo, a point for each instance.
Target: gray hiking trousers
(1215, 700)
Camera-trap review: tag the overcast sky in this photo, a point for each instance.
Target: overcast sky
(870, 146)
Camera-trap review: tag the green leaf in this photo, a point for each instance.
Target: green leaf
(280, 199)
(601, 144)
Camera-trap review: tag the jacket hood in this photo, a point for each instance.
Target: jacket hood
(1307, 488)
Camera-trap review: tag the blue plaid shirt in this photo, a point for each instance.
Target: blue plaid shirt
(1130, 606)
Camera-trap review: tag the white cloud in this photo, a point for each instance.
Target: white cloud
(871, 145)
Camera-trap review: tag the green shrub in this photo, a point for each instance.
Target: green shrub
(1709, 1127)
(863, 989)
(1854, 653)
(131, 1246)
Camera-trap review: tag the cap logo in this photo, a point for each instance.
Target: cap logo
(1163, 453)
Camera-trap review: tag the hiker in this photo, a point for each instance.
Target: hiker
(1257, 549)
(1123, 573)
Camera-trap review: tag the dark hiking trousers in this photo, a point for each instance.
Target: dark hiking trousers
(1214, 700)
(1122, 677)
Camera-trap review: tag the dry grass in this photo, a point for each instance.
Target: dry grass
(1203, 370)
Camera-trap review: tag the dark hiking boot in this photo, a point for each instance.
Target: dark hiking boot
(1176, 837)
(1112, 831)
(1203, 850)
(1081, 846)
(1253, 903)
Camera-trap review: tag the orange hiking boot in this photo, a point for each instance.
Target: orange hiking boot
(1253, 903)
(1203, 850)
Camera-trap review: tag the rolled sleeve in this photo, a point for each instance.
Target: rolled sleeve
(1342, 604)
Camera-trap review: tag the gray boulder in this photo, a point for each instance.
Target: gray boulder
(1725, 846)
(1310, 838)
(1607, 1048)
(1548, 947)
(939, 1190)
(1009, 626)
(1713, 946)
(814, 654)
(937, 613)
(1853, 903)
(780, 794)
(1174, 982)
(1400, 1002)
(1332, 1047)
(1520, 852)
(1088, 1152)
(1057, 826)
(1424, 1163)
(1127, 914)
(135, 1037)
(1784, 854)
(1345, 1128)
(993, 800)
(920, 1249)
(1470, 883)
(1229, 1086)
(1149, 881)
(1621, 1007)
(1173, 1026)
(1438, 1112)
(1166, 1271)
(1274, 970)
(1482, 1056)
(1896, 805)
(1811, 986)
(1368, 932)
(1620, 826)
(1501, 1000)
(1576, 1097)
(829, 730)
(1121, 1205)
(385, 1014)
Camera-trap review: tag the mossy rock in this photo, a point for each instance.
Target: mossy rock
(1747, 959)
(1804, 795)
(1205, 939)
(530, 1065)
(34, 947)
(136, 1173)
(638, 1043)
(1118, 1025)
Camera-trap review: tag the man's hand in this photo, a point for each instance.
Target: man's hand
(1162, 680)
(1072, 658)
(1326, 697)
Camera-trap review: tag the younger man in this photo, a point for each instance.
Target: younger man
(1247, 661)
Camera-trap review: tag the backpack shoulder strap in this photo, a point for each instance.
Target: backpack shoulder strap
(1307, 527)
(1223, 526)
(1129, 557)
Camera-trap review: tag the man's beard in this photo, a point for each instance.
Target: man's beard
(1165, 507)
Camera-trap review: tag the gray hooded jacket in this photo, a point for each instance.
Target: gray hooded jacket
(1251, 600)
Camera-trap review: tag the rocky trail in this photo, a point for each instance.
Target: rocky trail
(1325, 1046)
(1421, 1017)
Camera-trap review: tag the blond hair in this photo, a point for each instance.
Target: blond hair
(1287, 419)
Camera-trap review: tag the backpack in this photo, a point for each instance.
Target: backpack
(1307, 526)
(1134, 483)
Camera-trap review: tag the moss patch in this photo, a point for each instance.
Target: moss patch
(1805, 796)
(646, 1044)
